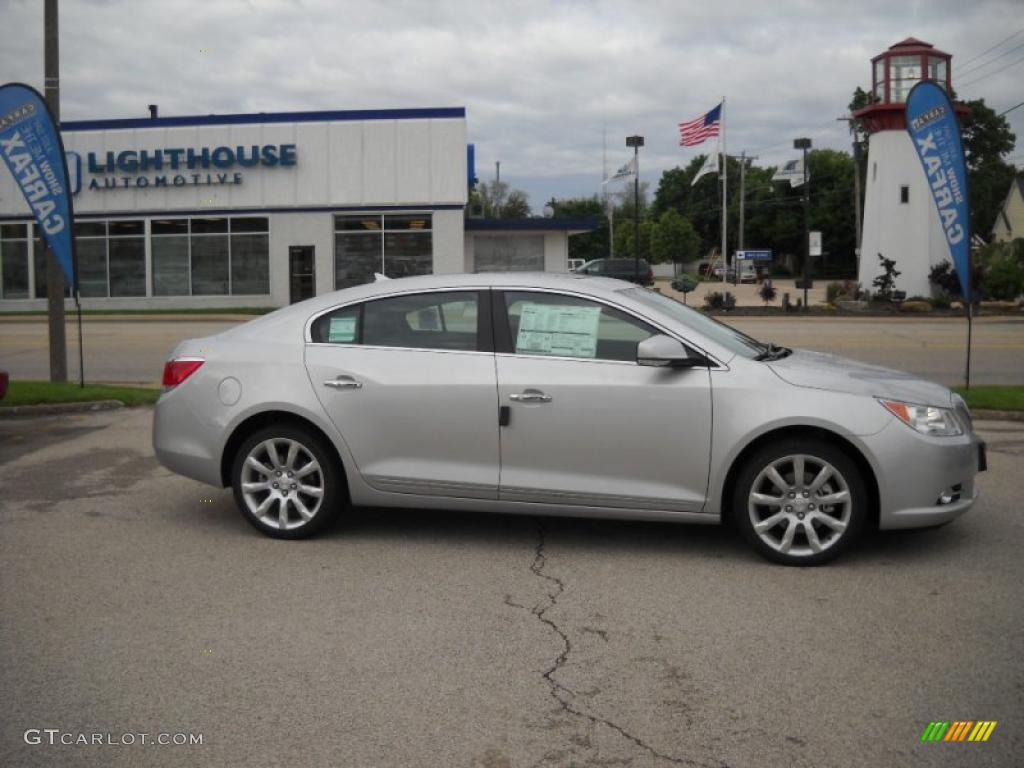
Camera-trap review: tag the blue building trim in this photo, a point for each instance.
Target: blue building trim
(577, 223)
(264, 118)
(172, 213)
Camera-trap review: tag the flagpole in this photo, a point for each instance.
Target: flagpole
(725, 195)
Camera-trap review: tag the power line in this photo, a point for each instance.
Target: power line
(996, 72)
(1010, 109)
(1004, 40)
(991, 61)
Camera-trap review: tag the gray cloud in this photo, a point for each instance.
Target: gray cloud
(542, 81)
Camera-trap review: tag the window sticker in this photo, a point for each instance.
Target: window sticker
(342, 330)
(557, 330)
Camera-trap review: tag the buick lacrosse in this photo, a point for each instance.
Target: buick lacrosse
(558, 394)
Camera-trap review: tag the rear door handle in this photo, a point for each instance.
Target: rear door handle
(343, 382)
(530, 396)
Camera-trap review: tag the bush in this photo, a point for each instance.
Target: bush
(916, 305)
(1004, 271)
(718, 300)
(886, 281)
(833, 291)
(942, 301)
(767, 292)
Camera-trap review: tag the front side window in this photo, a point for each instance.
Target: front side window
(442, 321)
(555, 325)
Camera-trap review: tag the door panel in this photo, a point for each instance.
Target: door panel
(416, 421)
(612, 434)
(587, 425)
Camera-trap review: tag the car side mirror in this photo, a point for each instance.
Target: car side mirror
(662, 351)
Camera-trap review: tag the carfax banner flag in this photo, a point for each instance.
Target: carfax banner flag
(935, 132)
(32, 148)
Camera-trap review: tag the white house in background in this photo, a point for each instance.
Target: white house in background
(900, 219)
(1010, 221)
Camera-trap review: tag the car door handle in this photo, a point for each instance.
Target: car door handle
(343, 382)
(530, 396)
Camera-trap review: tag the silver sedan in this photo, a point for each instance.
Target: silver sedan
(563, 395)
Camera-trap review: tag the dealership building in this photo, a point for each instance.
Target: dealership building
(267, 209)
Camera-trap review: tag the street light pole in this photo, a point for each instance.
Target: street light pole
(636, 142)
(805, 144)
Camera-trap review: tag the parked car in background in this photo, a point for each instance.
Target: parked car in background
(619, 269)
(540, 393)
(747, 273)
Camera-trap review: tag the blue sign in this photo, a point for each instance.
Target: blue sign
(935, 133)
(754, 255)
(32, 148)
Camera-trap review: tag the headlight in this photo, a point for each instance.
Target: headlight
(926, 419)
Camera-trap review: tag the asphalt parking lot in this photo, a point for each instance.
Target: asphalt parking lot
(136, 601)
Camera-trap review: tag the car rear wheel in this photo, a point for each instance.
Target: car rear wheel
(800, 502)
(287, 483)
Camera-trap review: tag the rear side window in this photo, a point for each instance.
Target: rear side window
(443, 321)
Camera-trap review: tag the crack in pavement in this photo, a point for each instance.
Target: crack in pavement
(560, 692)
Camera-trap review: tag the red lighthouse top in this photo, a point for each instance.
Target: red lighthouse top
(893, 73)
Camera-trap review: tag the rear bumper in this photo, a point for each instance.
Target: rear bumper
(183, 442)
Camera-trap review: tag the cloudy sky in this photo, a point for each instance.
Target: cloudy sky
(543, 82)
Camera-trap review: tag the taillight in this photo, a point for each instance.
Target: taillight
(176, 371)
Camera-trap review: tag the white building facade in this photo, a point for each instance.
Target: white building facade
(248, 210)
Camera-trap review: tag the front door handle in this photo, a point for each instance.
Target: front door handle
(530, 396)
(343, 382)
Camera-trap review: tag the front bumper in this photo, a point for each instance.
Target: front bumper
(924, 481)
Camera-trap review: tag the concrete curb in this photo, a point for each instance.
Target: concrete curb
(55, 409)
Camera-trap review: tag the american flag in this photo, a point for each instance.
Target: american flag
(704, 127)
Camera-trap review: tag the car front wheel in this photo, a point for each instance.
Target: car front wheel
(286, 482)
(800, 502)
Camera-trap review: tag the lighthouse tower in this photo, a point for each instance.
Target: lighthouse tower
(900, 220)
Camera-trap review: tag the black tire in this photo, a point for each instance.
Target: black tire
(812, 522)
(287, 490)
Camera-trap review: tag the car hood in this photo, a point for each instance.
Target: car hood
(817, 370)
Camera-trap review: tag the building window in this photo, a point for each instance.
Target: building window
(904, 194)
(396, 245)
(111, 259)
(508, 253)
(13, 261)
(211, 256)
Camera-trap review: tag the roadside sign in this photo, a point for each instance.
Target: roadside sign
(754, 255)
(815, 243)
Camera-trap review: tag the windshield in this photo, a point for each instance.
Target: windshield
(720, 333)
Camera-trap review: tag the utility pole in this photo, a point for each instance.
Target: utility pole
(54, 275)
(743, 196)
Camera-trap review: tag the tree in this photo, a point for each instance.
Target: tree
(589, 245)
(673, 238)
(987, 139)
(499, 201)
(625, 239)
